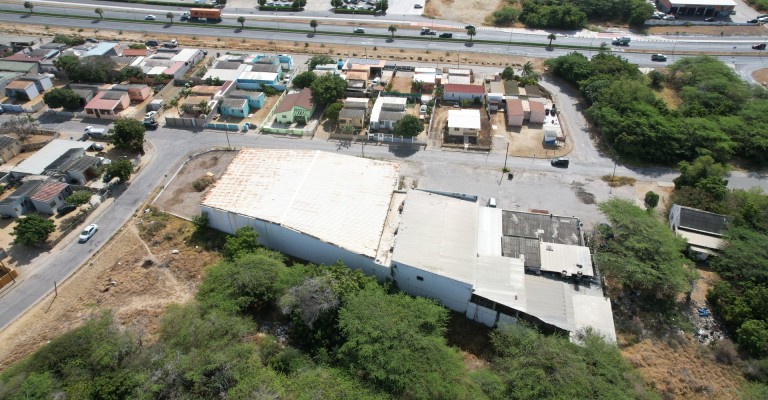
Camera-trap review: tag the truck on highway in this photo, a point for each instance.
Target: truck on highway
(427, 31)
(209, 14)
(622, 41)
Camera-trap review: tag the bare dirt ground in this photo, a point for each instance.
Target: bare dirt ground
(466, 11)
(180, 197)
(402, 85)
(761, 76)
(683, 369)
(527, 141)
(135, 276)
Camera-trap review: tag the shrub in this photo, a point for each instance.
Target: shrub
(651, 199)
(203, 182)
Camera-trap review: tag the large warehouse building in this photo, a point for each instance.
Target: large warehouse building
(697, 8)
(324, 207)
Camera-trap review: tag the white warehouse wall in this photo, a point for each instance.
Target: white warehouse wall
(295, 244)
(450, 293)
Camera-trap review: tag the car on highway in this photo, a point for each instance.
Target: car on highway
(358, 30)
(760, 46)
(658, 57)
(668, 18)
(710, 19)
(560, 162)
(446, 35)
(92, 40)
(150, 18)
(88, 233)
(418, 6)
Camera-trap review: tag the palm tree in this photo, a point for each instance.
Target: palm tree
(392, 29)
(170, 16)
(529, 74)
(313, 25)
(528, 69)
(471, 31)
(100, 12)
(241, 20)
(551, 37)
(29, 6)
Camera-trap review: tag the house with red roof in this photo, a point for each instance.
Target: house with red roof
(295, 108)
(108, 104)
(459, 92)
(50, 196)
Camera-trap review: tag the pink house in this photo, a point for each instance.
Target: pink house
(108, 104)
(137, 92)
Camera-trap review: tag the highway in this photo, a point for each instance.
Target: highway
(170, 147)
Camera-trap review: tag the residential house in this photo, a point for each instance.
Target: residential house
(42, 82)
(6, 78)
(463, 122)
(191, 104)
(86, 92)
(134, 52)
(255, 80)
(103, 49)
(18, 202)
(21, 90)
(235, 107)
(386, 112)
(703, 230)
(9, 147)
(255, 99)
(18, 66)
(81, 170)
(536, 112)
(136, 92)
(295, 108)
(426, 77)
(285, 61)
(354, 112)
(53, 154)
(357, 81)
(108, 104)
(458, 92)
(50, 196)
(25, 57)
(515, 115)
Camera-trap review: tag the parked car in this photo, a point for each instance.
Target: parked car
(97, 147)
(446, 35)
(88, 233)
(418, 6)
(492, 202)
(92, 40)
(710, 19)
(752, 21)
(151, 43)
(668, 17)
(658, 57)
(66, 209)
(760, 46)
(90, 130)
(560, 162)
(150, 18)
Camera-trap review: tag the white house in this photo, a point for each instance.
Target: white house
(463, 122)
(386, 111)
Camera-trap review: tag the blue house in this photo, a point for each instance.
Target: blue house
(255, 99)
(235, 107)
(285, 60)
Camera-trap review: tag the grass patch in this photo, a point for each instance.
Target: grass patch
(616, 181)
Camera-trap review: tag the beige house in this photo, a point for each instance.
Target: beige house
(463, 122)
(515, 115)
(9, 148)
(354, 112)
(537, 112)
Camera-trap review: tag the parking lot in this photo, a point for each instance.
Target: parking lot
(396, 7)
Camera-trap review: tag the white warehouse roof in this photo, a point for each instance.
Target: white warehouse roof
(36, 164)
(338, 199)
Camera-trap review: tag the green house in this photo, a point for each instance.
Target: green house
(295, 108)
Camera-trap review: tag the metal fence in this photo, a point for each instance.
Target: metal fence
(223, 126)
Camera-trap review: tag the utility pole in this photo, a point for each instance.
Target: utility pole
(506, 155)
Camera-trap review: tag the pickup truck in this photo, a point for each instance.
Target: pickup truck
(94, 131)
(427, 31)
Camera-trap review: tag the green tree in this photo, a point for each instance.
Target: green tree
(70, 64)
(382, 5)
(131, 72)
(348, 129)
(651, 199)
(505, 16)
(471, 32)
(328, 88)
(170, 16)
(32, 230)
(705, 174)
(319, 60)
(99, 11)
(244, 241)
(392, 29)
(36, 386)
(332, 111)
(241, 21)
(70, 40)
(262, 2)
(508, 74)
(128, 134)
(551, 37)
(29, 6)
(79, 197)
(409, 126)
(121, 169)
(641, 253)
(62, 97)
(313, 25)
(396, 342)
(335, 3)
(304, 79)
(753, 337)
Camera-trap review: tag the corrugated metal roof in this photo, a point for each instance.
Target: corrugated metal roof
(438, 234)
(514, 246)
(594, 311)
(49, 190)
(339, 199)
(549, 228)
(502, 280)
(468, 119)
(557, 258)
(703, 221)
(36, 164)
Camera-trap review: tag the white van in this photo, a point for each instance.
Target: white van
(492, 202)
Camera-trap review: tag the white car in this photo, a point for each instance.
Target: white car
(89, 231)
(150, 18)
(668, 18)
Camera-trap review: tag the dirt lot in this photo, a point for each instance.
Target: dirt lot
(135, 275)
(439, 129)
(465, 11)
(761, 76)
(527, 141)
(708, 30)
(180, 197)
(402, 85)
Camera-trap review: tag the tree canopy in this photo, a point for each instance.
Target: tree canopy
(32, 230)
(319, 60)
(121, 169)
(304, 79)
(79, 197)
(90, 69)
(409, 126)
(328, 88)
(641, 253)
(62, 97)
(129, 135)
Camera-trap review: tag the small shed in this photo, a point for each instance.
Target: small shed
(550, 136)
(537, 112)
(155, 105)
(515, 112)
